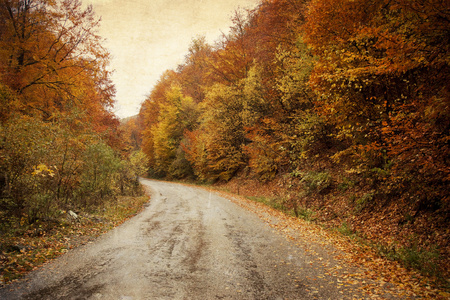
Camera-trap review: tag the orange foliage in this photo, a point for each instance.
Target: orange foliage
(383, 72)
(52, 58)
(193, 74)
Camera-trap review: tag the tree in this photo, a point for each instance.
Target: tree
(223, 133)
(56, 124)
(52, 57)
(176, 116)
(273, 25)
(232, 57)
(130, 134)
(382, 74)
(150, 109)
(216, 148)
(193, 73)
(289, 130)
(40, 164)
(99, 174)
(8, 103)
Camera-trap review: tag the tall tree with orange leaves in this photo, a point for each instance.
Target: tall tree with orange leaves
(55, 117)
(52, 58)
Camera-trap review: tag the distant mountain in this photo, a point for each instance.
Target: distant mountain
(127, 119)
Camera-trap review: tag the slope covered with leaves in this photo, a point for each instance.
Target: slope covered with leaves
(357, 263)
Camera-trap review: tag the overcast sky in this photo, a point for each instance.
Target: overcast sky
(147, 37)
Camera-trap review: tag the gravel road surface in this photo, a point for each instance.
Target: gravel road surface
(188, 243)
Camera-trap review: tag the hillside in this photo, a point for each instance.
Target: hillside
(338, 112)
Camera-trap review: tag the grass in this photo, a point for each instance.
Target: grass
(344, 229)
(346, 184)
(306, 214)
(412, 256)
(275, 203)
(420, 259)
(271, 202)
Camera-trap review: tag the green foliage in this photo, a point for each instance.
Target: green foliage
(305, 132)
(99, 174)
(305, 213)
(293, 72)
(345, 229)
(289, 130)
(180, 166)
(422, 259)
(426, 260)
(8, 101)
(129, 172)
(315, 182)
(139, 163)
(365, 201)
(286, 207)
(346, 184)
(275, 203)
(30, 165)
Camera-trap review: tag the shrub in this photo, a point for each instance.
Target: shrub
(99, 175)
(129, 172)
(316, 182)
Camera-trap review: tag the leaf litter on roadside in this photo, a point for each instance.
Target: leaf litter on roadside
(24, 252)
(375, 276)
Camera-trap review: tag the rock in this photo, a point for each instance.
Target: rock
(72, 215)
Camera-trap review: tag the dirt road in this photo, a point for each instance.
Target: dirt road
(187, 244)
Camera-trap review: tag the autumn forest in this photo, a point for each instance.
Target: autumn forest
(339, 108)
(342, 105)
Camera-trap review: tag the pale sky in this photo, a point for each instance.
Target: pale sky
(147, 37)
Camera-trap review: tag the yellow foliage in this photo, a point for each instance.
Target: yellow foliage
(43, 170)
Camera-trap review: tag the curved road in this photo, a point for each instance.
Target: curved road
(187, 244)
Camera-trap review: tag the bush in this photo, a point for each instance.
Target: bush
(180, 167)
(99, 175)
(316, 182)
(129, 173)
(29, 152)
(46, 167)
